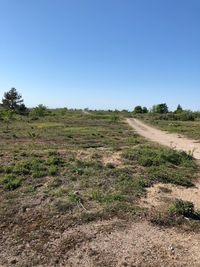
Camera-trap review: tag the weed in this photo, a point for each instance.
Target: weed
(53, 170)
(10, 182)
(177, 214)
(73, 197)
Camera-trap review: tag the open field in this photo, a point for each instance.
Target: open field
(73, 185)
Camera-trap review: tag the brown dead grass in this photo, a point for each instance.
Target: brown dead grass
(113, 158)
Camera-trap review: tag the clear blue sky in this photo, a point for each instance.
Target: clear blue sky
(101, 53)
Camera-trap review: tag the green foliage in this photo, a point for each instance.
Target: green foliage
(179, 213)
(53, 170)
(99, 196)
(8, 117)
(39, 111)
(54, 160)
(115, 118)
(38, 169)
(155, 156)
(33, 135)
(73, 197)
(35, 168)
(181, 207)
(179, 109)
(165, 174)
(160, 164)
(145, 110)
(10, 182)
(160, 108)
(140, 110)
(12, 100)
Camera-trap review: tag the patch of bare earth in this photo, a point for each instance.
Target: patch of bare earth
(106, 243)
(105, 156)
(85, 154)
(159, 194)
(113, 158)
(139, 244)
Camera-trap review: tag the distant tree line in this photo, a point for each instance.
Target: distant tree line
(13, 103)
(161, 112)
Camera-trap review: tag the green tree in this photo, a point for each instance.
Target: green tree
(12, 100)
(145, 110)
(138, 109)
(179, 109)
(39, 111)
(160, 108)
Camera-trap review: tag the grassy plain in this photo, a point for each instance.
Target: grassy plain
(69, 168)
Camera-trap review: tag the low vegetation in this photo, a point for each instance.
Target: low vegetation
(56, 172)
(180, 121)
(180, 213)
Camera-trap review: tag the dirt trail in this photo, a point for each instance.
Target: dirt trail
(173, 140)
(156, 197)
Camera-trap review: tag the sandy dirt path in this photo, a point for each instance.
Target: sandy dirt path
(172, 140)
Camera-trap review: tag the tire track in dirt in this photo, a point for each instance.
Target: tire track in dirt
(172, 140)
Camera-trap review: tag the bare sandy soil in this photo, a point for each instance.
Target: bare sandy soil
(175, 141)
(139, 244)
(111, 243)
(158, 194)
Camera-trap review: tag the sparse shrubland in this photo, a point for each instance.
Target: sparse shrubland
(53, 172)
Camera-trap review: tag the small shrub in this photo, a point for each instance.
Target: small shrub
(10, 182)
(74, 197)
(177, 214)
(38, 174)
(168, 175)
(53, 170)
(54, 160)
(185, 208)
(155, 156)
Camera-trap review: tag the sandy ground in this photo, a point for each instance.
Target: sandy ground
(110, 243)
(175, 141)
(139, 244)
(157, 197)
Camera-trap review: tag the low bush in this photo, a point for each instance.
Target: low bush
(168, 175)
(10, 182)
(178, 213)
(155, 156)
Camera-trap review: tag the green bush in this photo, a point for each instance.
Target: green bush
(10, 182)
(181, 207)
(155, 156)
(168, 175)
(53, 170)
(177, 214)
